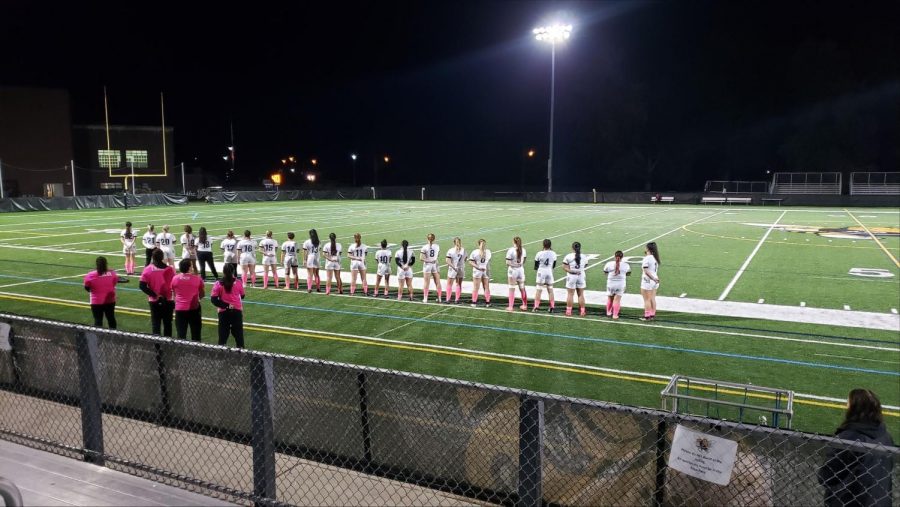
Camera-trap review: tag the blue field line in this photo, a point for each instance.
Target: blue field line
(554, 335)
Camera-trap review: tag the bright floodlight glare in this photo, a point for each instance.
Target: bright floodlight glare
(353, 156)
(553, 33)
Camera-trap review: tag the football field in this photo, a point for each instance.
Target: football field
(804, 299)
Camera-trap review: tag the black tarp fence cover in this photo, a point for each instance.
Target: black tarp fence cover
(89, 202)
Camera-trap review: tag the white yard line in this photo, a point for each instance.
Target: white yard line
(425, 318)
(740, 272)
(40, 281)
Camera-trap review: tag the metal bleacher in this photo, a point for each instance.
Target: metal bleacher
(806, 183)
(873, 183)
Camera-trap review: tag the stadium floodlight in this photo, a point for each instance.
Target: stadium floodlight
(353, 156)
(552, 34)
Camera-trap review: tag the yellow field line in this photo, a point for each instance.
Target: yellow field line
(776, 243)
(896, 263)
(427, 349)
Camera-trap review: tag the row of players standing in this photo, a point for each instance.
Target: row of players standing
(243, 252)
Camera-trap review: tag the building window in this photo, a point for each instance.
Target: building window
(109, 158)
(111, 185)
(136, 157)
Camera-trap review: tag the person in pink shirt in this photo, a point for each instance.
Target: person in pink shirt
(156, 283)
(189, 290)
(101, 283)
(227, 296)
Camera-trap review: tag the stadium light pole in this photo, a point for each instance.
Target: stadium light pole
(353, 158)
(552, 34)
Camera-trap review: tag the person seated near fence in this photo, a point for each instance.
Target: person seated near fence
(101, 284)
(188, 290)
(227, 296)
(857, 477)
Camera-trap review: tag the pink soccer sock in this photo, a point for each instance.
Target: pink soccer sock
(487, 295)
(308, 284)
(265, 280)
(512, 298)
(288, 283)
(524, 297)
(365, 287)
(647, 313)
(244, 278)
(253, 278)
(352, 287)
(568, 310)
(615, 309)
(458, 290)
(582, 311)
(609, 306)
(449, 291)
(537, 303)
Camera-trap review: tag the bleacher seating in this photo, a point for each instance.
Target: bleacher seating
(870, 183)
(806, 183)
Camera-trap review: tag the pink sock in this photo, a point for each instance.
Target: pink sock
(487, 295)
(568, 310)
(615, 309)
(458, 290)
(647, 313)
(308, 284)
(653, 313)
(609, 306)
(244, 278)
(537, 303)
(524, 298)
(365, 287)
(552, 304)
(253, 278)
(582, 311)
(265, 280)
(449, 291)
(352, 287)
(512, 298)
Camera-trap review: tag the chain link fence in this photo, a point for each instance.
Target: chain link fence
(257, 428)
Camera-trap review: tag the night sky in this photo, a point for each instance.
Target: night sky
(660, 95)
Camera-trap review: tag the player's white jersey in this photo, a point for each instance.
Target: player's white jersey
(289, 248)
(481, 262)
(457, 257)
(575, 267)
(310, 248)
(357, 251)
(430, 253)
(149, 240)
(128, 244)
(246, 246)
(166, 241)
(229, 246)
(610, 270)
(383, 257)
(652, 266)
(511, 257)
(124, 231)
(187, 245)
(332, 256)
(545, 259)
(269, 247)
(204, 246)
(410, 255)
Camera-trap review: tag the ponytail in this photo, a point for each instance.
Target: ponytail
(405, 244)
(203, 234)
(333, 237)
(314, 237)
(619, 256)
(228, 277)
(358, 239)
(457, 243)
(518, 241)
(481, 244)
(384, 243)
(577, 247)
(654, 251)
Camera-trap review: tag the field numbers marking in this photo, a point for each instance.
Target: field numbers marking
(894, 311)
(740, 272)
(870, 272)
(761, 301)
(683, 294)
(802, 304)
(846, 307)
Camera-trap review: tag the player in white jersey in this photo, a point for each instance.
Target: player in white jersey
(515, 274)
(456, 267)
(311, 260)
(650, 280)
(166, 243)
(229, 250)
(430, 268)
(149, 240)
(289, 261)
(574, 265)
(544, 262)
(383, 257)
(331, 251)
(128, 239)
(357, 253)
(269, 249)
(205, 255)
(246, 248)
(189, 247)
(480, 260)
(405, 258)
(616, 271)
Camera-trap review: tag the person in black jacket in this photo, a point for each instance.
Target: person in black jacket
(858, 477)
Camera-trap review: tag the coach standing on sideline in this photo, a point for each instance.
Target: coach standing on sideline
(189, 290)
(101, 284)
(227, 295)
(156, 283)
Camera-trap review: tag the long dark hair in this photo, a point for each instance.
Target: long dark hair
(314, 237)
(404, 244)
(576, 246)
(862, 406)
(228, 277)
(101, 265)
(384, 243)
(518, 242)
(203, 234)
(333, 238)
(547, 244)
(188, 229)
(158, 258)
(654, 251)
(358, 239)
(618, 256)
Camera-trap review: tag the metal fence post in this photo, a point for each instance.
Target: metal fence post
(262, 394)
(165, 408)
(659, 494)
(364, 420)
(531, 444)
(91, 412)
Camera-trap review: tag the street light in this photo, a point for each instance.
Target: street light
(314, 162)
(530, 153)
(387, 159)
(353, 158)
(552, 34)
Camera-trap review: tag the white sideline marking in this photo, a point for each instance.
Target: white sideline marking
(683, 294)
(802, 304)
(858, 358)
(846, 307)
(894, 311)
(761, 301)
(425, 318)
(750, 258)
(40, 281)
(476, 351)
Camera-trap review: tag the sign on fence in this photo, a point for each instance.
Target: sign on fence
(702, 456)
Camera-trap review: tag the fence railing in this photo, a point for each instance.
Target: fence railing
(874, 183)
(269, 429)
(736, 187)
(806, 183)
